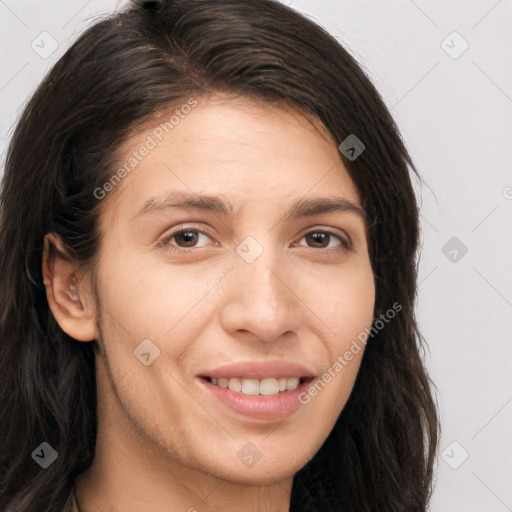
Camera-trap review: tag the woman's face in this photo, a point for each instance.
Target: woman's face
(216, 264)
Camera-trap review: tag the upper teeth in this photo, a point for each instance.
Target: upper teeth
(266, 387)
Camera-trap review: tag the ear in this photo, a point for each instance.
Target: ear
(70, 300)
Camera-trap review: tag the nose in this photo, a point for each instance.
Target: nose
(261, 302)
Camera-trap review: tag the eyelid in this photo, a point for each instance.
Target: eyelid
(346, 243)
(167, 237)
(344, 238)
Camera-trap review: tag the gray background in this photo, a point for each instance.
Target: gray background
(454, 109)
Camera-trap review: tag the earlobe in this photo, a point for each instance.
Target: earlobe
(70, 302)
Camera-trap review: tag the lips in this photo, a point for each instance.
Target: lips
(260, 390)
(260, 370)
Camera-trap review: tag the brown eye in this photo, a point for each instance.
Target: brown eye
(317, 238)
(189, 238)
(322, 239)
(183, 239)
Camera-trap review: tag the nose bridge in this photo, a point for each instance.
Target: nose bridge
(260, 302)
(258, 271)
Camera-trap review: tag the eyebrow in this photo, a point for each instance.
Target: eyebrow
(213, 204)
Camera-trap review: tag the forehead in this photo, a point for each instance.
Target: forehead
(239, 149)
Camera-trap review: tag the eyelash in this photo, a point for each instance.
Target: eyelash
(165, 242)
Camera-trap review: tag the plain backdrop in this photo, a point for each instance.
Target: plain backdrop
(445, 71)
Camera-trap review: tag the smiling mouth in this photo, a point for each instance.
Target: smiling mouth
(268, 387)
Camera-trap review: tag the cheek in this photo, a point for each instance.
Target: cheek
(148, 299)
(347, 308)
(153, 300)
(344, 300)
(353, 310)
(145, 295)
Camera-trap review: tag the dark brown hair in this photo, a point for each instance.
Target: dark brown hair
(114, 78)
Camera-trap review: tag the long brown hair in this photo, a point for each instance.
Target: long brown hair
(123, 69)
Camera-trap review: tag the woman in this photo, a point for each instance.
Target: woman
(209, 240)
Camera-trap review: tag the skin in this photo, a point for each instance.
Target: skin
(163, 442)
